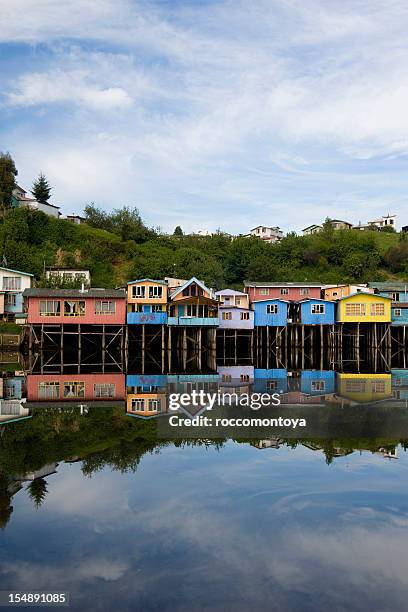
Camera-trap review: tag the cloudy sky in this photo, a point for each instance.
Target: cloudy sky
(210, 114)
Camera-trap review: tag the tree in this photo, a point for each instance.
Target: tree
(41, 189)
(37, 490)
(8, 173)
(178, 232)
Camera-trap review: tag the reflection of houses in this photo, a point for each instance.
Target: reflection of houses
(234, 311)
(12, 285)
(193, 304)
(318, 382)
(364, 308)
(362, 388)
(48, 388)
(12, 410)
(235, 379)
(187, 383)
(146, 395)
(399, 384)
(88, 306)
(388, 453)
(270, 380)
(147, 302)
(268, 443)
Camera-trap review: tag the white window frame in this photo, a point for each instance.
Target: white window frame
(155, 292)
(397, 312)
(244, 316)
(49, 311)
(226, 316)
(284, 291)
(272, 309)
(100, 308)
(318, 309)
(11, 283)
(138, 292)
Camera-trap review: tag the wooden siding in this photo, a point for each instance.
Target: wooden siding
(86, 386)
(89, 316)
(367, 316)
(264, 319)
(308, 317)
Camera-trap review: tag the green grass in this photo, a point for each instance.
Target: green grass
(10, 328)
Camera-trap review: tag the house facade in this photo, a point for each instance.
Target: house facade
(193, 304)
(147, 302)
(398, 292)
(335, 292)
(75, 387)
(385, 221)
(233, 310)
(283, 291)
(268, 234)
(364, 308)
(312, 229)
(339, 224)
(146, 395)
(317, 312)
(12, 285)
(270, 313)
(19, 198)
(68, 275)
(75, 306)
(399, 313)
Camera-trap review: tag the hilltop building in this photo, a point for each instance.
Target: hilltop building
(20, 198)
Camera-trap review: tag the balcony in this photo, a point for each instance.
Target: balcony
(194, 321)
(147, 318)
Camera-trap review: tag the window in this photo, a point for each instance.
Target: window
(11, 283)
(244, 316)
(11, 299)
(238, 301)
(318, 385)
(244, 377)
(226, 316)
(304, 291)
(105, 307)
(397, 312)
(355, 386)
(264, 292)
(318, 308)
(74, 308)
(138, 404)
(138, 291)
(271, 309)
(48, 390)
(272, 385)
(378, 386)
(226, 378)
(157, 308)
(284, 291)
(74, 389)
(155, 292)
(154, 405)
(104, 390)
(226, 300)
(50, 308)
(355, 310)
(395, 297)
(377, 310)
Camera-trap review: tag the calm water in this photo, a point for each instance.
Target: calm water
(96, 504)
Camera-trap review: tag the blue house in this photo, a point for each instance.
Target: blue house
(397, 292)
(317, 312)
(318, 382)
(273, 313)
(399, 384)
(12, 285)
(271, 380)
(399, 313)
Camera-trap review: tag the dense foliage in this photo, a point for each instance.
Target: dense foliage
(118, 247)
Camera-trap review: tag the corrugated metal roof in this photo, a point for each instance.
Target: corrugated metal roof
(389, 286)
(77, 293)
(290, 284)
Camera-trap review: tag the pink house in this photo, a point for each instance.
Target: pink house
(88, 306)
(75, 387)
(285, 291)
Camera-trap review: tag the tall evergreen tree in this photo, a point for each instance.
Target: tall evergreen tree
(8, 173)
(37, 490)
(41, 189)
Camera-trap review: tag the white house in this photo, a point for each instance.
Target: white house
(312, 229)
(69, 275)
(268, 234)
(20, 199)
(12, 285)
(385, 221)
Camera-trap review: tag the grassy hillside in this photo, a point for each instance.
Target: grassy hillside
(31, 240)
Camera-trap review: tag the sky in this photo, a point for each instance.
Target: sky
(210, 114)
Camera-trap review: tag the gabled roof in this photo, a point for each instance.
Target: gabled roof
(144, 280)
(230, 292)
(310, 226)
(270, 300)
(16, 271)
(373, 295)
(389, 286)
(187, 284)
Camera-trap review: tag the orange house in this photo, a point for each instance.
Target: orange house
(147, 301)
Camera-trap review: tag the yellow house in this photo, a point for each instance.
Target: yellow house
(147, 301)
(146, 405)
(364, 387)
(364, 308)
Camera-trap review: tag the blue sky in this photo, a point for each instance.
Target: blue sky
(210, 114)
